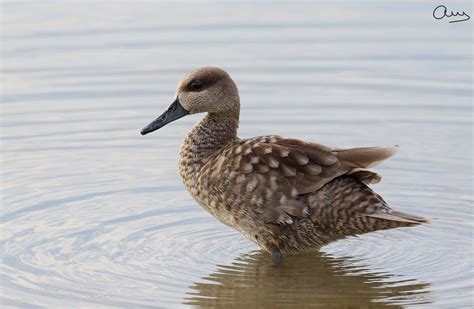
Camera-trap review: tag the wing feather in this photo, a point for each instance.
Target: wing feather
(274, 171)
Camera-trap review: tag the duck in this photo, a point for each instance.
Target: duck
(286, 195)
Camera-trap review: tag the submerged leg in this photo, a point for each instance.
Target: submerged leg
(277, 257)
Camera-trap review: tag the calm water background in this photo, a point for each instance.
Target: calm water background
(95, 215)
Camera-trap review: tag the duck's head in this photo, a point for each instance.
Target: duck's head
(207, 89)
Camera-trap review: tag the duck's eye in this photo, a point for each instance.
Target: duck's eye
(196, 85)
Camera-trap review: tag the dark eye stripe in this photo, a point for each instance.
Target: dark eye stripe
(196, 85)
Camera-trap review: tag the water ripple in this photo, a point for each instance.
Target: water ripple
(95, 215)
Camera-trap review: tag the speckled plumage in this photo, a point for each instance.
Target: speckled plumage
(284, 194)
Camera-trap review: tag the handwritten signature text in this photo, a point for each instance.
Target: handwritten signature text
(441, 12)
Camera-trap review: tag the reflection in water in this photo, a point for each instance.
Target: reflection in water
(314, 279)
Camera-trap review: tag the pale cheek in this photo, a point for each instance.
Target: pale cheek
(187, 102)
(201, 102)
(200, 105)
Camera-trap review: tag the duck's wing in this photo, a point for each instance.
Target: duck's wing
(272, 171)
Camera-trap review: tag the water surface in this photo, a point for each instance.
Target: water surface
(95, 215)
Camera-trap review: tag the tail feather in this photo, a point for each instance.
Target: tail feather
(398, 216)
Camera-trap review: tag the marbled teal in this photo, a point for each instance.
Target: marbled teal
(284, 194)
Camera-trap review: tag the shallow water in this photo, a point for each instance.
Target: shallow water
(95, 215)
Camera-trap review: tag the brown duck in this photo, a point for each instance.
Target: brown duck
(284, 194)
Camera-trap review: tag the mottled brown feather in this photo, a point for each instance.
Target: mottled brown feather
(294, 165)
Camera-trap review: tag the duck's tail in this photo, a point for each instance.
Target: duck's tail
(366, 223)
(402, 218)
(346, 207)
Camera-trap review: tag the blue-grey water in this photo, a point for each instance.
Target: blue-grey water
(94, 215)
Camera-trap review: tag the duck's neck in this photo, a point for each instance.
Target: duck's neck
(210, 135)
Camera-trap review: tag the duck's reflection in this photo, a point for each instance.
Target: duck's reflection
(310, 280)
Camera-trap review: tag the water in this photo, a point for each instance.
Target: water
(95, 215)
